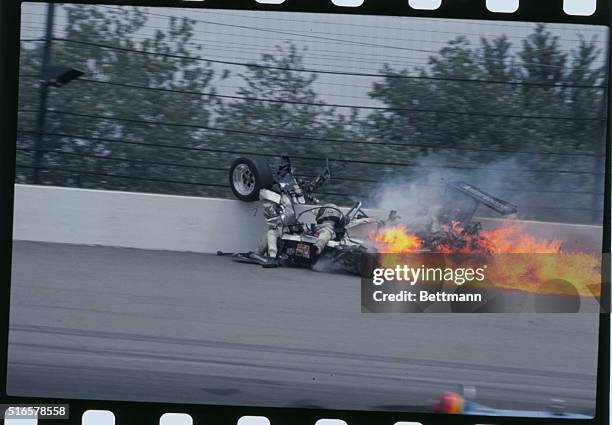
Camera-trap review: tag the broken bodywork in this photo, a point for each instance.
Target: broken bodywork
(303, 233)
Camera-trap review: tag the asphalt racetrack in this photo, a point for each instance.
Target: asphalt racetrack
(127, 324)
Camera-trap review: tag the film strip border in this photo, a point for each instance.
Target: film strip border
(589, 12)
(593, 12)
(155, 414)
(570, 7)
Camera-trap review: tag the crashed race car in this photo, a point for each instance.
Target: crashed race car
(303, 233)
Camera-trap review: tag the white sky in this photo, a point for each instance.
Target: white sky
(334, 42)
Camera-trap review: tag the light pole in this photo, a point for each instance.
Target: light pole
(50, 75)
(44, 92)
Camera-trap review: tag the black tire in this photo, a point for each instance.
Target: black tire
(252, 175)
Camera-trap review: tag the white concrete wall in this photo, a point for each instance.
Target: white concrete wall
(180, 223)
(134, 220)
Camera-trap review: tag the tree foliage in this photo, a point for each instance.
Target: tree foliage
(529, 110)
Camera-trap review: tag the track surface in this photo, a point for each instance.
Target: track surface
(115, 323)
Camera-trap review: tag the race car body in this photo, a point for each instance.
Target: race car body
(332, 236)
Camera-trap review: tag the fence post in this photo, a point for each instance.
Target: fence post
(44, 93)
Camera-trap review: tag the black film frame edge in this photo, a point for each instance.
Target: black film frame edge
(149, 413)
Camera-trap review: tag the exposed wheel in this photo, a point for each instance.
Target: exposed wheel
(248, 175)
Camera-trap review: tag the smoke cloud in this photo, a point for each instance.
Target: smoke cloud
(417, 198)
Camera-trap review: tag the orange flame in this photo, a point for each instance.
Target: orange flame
(563, 274)
(519, 272)
(512, 239)
(507, 239)
(396, 240)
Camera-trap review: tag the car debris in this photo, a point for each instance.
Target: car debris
(330, 235)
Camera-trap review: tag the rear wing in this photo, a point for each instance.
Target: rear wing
(498, 205)
(462, 200)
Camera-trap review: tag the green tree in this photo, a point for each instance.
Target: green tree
(504, 109)
(280, 113)
(278, 97)
(107, 44)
